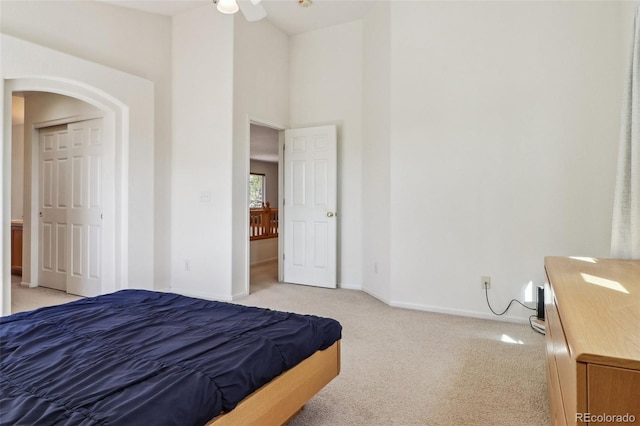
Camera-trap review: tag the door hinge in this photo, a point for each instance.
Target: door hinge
(101, 216)
(284, 147)
(283, 256)
(284, 201)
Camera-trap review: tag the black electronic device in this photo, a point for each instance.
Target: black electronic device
(540, 305)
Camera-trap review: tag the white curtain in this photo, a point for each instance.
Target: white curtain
(625, 236)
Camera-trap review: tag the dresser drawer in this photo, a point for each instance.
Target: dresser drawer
(613, 391)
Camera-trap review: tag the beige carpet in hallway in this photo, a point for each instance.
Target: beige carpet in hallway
(27, 299)
(402, 367)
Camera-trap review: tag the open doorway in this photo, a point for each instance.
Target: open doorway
(127, 103)
(58, 166)
(263, 206)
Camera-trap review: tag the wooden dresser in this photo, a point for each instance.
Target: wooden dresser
(592, 310)
(16, 247)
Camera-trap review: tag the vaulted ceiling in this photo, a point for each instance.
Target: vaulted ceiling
(287, 15)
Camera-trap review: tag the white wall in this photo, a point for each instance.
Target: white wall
(135, 42)
(202, 159)
(17, 156)
(261, 93)
(326, 88)
(376, 130)
(627, 9)
(42, 106)
(17, 170)
(482, 134)
(504, 122)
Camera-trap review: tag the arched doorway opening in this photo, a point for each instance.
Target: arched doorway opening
(115, 171)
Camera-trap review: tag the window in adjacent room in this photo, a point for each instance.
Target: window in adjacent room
(256, 190)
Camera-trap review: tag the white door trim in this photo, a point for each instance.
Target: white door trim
(66, 120)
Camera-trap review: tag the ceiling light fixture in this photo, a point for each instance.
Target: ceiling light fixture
(252, 10)
(227, 6)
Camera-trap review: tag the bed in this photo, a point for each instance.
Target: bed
(143, 357)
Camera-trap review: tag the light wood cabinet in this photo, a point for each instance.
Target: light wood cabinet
(16, 247)
(592, 310)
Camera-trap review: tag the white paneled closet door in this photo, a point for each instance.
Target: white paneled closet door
(54, 202)
(71, 207)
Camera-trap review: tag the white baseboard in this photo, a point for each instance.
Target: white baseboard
(458, 312)
(392, 303)
(348, 286)
(237, 296)
(375, 295)
(200, 294)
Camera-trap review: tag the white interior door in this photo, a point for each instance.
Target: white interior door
(310, 199)
(54, 201)
(71, 208)
(85, 211)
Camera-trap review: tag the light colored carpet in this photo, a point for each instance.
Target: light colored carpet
(27, 299)
(402, 367)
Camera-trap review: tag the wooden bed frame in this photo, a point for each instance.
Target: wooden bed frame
(281, 399)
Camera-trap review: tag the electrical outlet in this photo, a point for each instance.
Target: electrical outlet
(205, 196)
(486, 282)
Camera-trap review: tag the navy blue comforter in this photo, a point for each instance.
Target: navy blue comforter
(138, 357)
